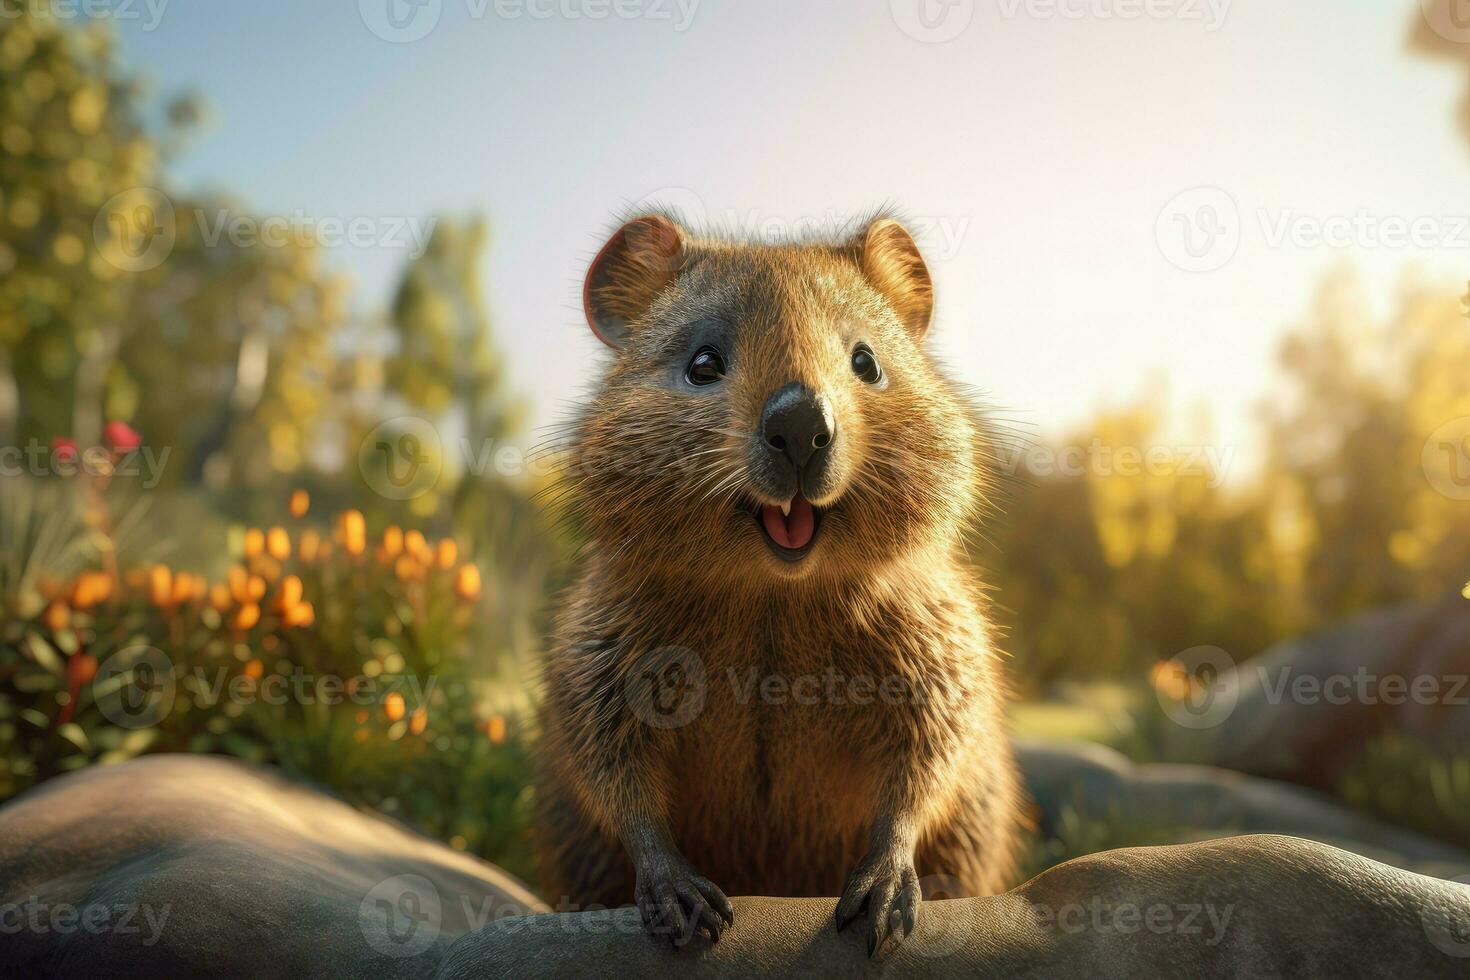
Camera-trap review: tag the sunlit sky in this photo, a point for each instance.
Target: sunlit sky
(1038, 150)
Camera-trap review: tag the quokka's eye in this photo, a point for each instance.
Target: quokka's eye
(706, 367)
(865, 365)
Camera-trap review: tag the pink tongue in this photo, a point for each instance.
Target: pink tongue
(792, 530)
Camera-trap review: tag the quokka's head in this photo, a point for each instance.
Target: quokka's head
(770, 410)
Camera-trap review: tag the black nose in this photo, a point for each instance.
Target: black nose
(797, 424)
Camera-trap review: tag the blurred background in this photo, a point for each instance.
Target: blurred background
(289, 299)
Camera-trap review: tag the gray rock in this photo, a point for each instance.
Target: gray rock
(1105, 791)
(179, 866)
(1305, 708)
(1244, 907)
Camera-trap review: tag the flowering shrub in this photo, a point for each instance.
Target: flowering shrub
(338, 652)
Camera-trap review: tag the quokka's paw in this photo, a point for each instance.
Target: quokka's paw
(888, 887)
(676, 903)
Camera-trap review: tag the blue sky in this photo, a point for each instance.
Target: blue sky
(1038, 148)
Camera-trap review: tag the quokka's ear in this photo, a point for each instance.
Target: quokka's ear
(638, 261)
(891, 261)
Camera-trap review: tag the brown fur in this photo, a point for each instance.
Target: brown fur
(765, 796)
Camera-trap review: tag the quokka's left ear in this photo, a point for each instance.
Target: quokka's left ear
(891, 261)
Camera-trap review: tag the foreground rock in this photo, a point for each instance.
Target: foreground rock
(1244, 907)
(185, 866)
(1081, 783)
(191, 866)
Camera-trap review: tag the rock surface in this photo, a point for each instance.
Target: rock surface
(1100, 788)
(1244, 907)
(193, 866)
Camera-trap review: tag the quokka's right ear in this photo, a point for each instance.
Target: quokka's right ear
(637, 263)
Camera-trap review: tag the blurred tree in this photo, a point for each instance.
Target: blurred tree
(120, 301)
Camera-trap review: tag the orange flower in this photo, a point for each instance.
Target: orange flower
(254, 669)
(414, 544)
(257, 588)
(254, 543)
(80, 669)
(246, 616)
(160, 585)
(447, 554)
(405, 569)
(393, 706)
(300, 502)
(310, 546)
(392, 540)
(56, 617)
(219, 597)
(89, 589)
(418, 721)
(352, 532)
(467, 582)
(183, 589)
(239, 582)
(288, 595)
(496, 729)
(278, 544)
(302, 615)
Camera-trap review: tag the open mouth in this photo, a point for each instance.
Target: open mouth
(789, 530)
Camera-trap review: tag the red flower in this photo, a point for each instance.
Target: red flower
(120, 437)
(64, 450)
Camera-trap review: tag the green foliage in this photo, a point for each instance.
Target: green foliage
(1405, 782)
